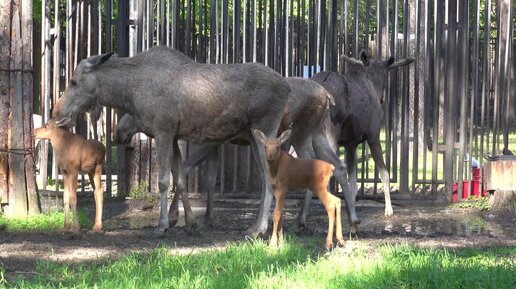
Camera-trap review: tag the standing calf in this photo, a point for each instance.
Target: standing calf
(287, 172)
(75, 154)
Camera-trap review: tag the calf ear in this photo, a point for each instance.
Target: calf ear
(401, 62)
(285, 136)
(259, 135)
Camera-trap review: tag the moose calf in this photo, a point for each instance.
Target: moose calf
(287, 172)
(75, 154)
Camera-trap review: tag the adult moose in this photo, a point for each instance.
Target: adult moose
(358, 114)
(173, 97)
(305, 114)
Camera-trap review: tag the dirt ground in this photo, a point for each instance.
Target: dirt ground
(129, 223)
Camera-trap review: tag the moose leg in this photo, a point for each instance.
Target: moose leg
(193, 160)
(164, 151)
(324, 152)
(261, 224)
(210, 183)
(376, 151)
(304, 150)
(98, 194)
(190, 223)
(76, 228)
(173, 212)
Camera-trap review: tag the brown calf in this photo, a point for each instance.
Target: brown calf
(287, 172)
(75, 154)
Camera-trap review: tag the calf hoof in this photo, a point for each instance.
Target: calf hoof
(329, 245)
(388, 212)
(97, 229)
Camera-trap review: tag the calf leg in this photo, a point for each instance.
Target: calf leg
(277, 222)
(329, 204)
(338, 222)
(376, 151)
(98, 194)
(66, 200)
(76, 228)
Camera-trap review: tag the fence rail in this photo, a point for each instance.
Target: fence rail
(453, 104)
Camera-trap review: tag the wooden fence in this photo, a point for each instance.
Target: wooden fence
(456, 99)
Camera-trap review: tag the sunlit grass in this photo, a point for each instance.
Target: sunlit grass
(254, 265)
(42, 222)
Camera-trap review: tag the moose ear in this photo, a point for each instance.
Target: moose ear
(402, 62)
(259, 135)
(285, 136)
(98, 59)
(364, 57)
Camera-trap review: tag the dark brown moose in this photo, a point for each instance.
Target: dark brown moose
(358, 115)
(173, 97)
(306, 112)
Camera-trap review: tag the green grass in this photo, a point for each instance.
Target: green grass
(43, 222)
(421, 172)
(254, 265)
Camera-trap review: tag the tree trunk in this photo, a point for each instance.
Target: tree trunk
(503, 200)
(17, 176)
(5, 32)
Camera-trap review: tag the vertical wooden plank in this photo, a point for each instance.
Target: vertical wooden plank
(438, 42)
(450, 98)
(405, 106)
(109, 184)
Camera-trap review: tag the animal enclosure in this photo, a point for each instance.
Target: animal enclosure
(455, 103)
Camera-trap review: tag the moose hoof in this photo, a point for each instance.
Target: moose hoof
(208, 222)
(328, 245)
(158, 233)
(193, 228)
(173, 218)
(254, 231)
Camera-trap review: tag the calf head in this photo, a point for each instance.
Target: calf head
(47, 131)
(81, 93)
(126, 129)
(272, 145)
(374, 70)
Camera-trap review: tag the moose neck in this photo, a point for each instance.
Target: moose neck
(115, 78)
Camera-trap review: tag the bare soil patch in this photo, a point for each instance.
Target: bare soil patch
(129, 223)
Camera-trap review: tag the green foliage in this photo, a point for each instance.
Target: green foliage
(42, 222)
(140, 193)
(481, 203)
(252, 264)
